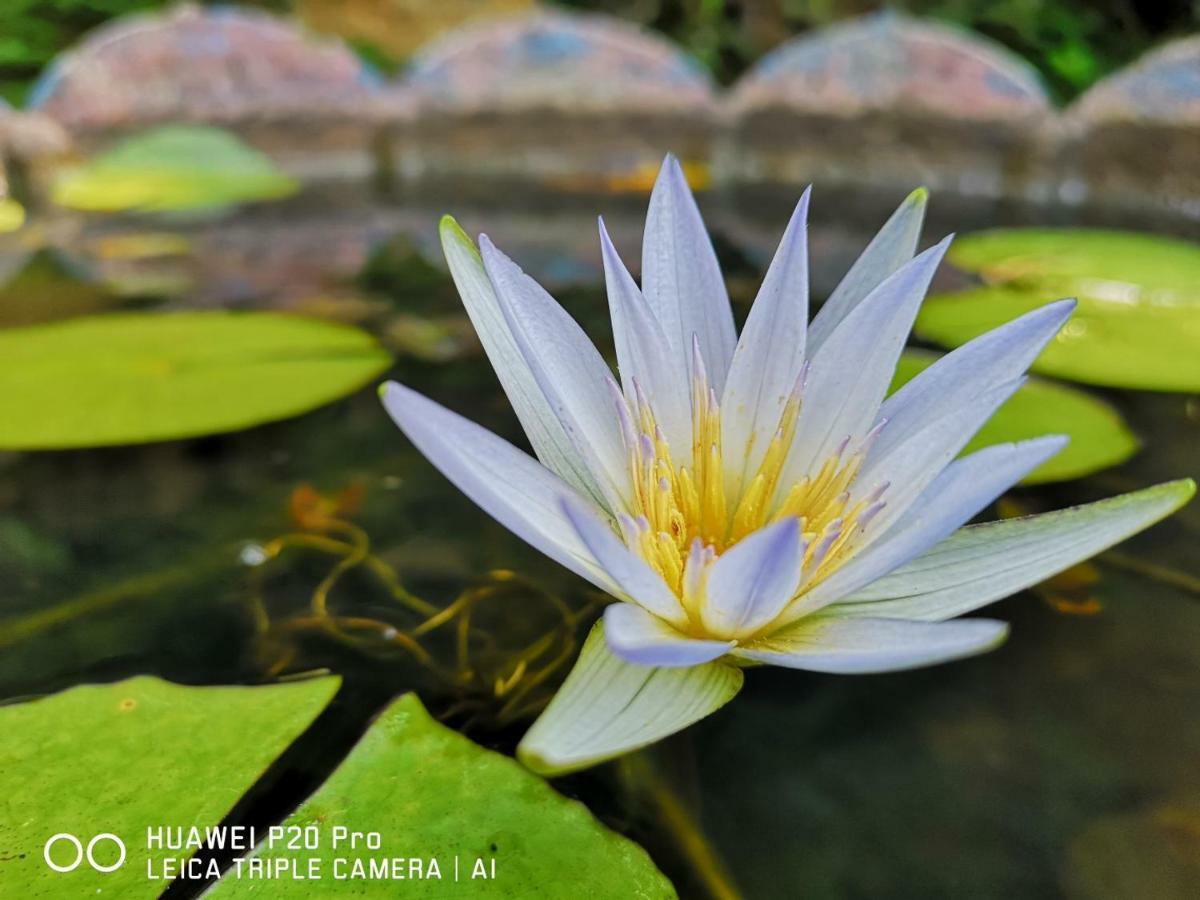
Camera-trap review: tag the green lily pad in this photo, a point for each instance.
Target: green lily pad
(134, 377)
(431, 794)
(12, 215)
(1138, 321)
(1148, 347)
(1118, 266)
(175, 167)
(1099, 436)
(120, 758)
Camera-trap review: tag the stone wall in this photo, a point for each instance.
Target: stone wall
(590, 102)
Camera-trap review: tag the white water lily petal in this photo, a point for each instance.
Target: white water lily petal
(569, 370)
(541, 425)
(911, 467)
(511, 487)
(891, 248)
(952, 500)
(646, 640)
(990, 360)
(608, 707)
(681, 278)
(852, 646)
(851, 371)
(769, 354)
(637, 580)
(751, 582)
(644, 355)
(980, 564)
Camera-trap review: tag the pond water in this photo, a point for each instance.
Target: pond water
(1066, 763)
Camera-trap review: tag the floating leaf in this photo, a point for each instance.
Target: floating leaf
(432, 794)
(120, 758)
(1118, 266)
(1099, 437)
(1146, 347)
(12, 215)
(1138, 321)
(175, 167)
(133, 378)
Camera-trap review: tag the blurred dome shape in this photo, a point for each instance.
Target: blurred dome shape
(1162, 87)
(892, 62)
(1133, 139)
(556, 60)
(583, 103)
(886, 102)
(219, 65)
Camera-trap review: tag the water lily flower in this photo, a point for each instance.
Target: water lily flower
(756, 499)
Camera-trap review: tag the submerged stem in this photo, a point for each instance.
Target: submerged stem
(140, 588)
(1160, 573)
(689, 839)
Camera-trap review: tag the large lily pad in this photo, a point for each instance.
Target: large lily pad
(1119, 266)
(123, 757)
(1133, 346)
(432, 794)
(1138, 321)
(175, 167)
(1099, 436)
(12, 215)
(133, 378)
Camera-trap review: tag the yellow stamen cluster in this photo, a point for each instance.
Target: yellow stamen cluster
(677, 506)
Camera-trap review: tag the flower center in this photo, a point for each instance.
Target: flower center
(680, 510)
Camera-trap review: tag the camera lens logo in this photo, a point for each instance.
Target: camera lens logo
(77, 855)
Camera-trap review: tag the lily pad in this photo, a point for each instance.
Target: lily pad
(1099, 436)
(431, 794)
(1119, 266)
(119, 758)
(173, 168)
(1145, 347)
(12, 215)
(1138, 320)
(136, 377)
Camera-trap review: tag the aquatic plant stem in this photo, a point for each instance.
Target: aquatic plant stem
(689, 839)
(142, 587)
(1160, 573)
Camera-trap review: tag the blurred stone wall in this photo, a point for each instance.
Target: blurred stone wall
(590, 102)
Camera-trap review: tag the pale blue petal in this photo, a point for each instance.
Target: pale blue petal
(852, 370)
(752, 581)
(511, 487)
(569, 370)
(980, 564)
(990, 360)
(953, 499)
(770, 352)
(646, 640)
(541, 424)
(644, 354)
(638, 582)
(854, 646)
(681, 278)
(891, 248)
(608, 707)
(908, 469)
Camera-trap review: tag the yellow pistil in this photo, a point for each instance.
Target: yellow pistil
(675, 506)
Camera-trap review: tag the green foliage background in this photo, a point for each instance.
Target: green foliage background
(1072, 42)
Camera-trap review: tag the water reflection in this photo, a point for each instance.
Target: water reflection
(227, 559)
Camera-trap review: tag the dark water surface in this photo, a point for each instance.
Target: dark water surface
(1066, 763)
